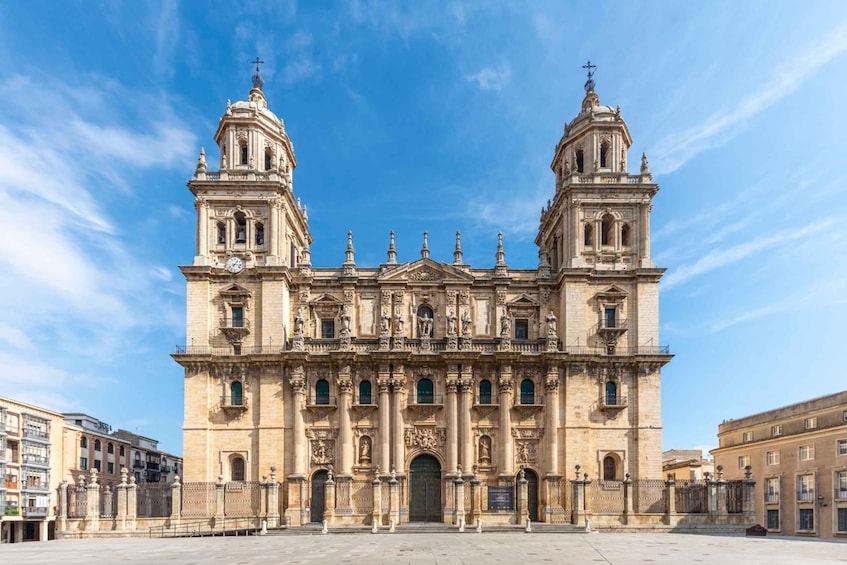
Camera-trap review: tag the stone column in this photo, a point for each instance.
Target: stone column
(578, 499)
(749, 504)
(476, 500)
(220, 500)
(393, 500)
(131, 503)
(522, 501)
(345, 459)
(274, 236)
(506, 454)
(92, 508)
(721, 497)
(298, 387)
(329, 499)
(551, 433)
(122, 500)
(176, 501)
(62, 514)
(465, 407)
(376, 515)
(202, 226)
(459, 490)
(384, 384)
(644, 232)
(398, 385)
(670, 516)
(627, 499)
(452, 408)
(576, 236)
(273, 501)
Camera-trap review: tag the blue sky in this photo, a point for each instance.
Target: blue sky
(413, 116)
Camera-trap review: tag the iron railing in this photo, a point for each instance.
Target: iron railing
(426, 398)
(234, 401)
(805, 496)
(772, 497)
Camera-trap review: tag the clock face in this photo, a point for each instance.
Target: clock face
(234, 264)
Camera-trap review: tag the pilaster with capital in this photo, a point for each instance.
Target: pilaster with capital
(202, 207)
(451, 406)
(275, 205)
(506, 451)
(398, 387)
(297, 380)
(345, 390)
(465, 404)
(551, 389)
(383, 383)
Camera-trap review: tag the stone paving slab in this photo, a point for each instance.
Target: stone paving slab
(441, 549)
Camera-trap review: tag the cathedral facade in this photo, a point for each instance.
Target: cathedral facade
(424, 374)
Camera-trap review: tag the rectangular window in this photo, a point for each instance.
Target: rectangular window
(842, 447)
(773, 519)
(810, 423)
(807, 452)
(521, 328)
(110, 467)
(327, 329)
(83, 463)
(97, 465)
(776, 431)
(806, 488)
(842, 519)
(609, 318)
(841, 485)
(747, 437)
(743, 461)
(237, 316)
(772, 457)
(772, 490)
(807, 519)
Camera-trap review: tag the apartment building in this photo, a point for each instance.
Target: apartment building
(798, 454)
(146, 461)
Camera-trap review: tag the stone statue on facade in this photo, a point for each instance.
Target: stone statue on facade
(551, 324)
(505, 325)
(425, 326)
(451, 322)
(398, 324)
(466, 323)
(299, 322)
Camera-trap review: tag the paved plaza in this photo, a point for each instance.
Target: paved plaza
(513, 548)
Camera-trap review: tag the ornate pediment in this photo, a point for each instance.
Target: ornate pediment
(326, 305)
(611, 294)
(426, 271)
(235, 293)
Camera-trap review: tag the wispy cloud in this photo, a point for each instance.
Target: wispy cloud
(718, 258)
(723, 125)
(490, 78)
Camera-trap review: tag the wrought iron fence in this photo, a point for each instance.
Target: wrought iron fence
(198, 500)
(77, 501)
(649, 496)
(242, 498)
(692, 497)
(153, 500)
(362, 493)
(605, 497)
(108, 501)
(735, 497)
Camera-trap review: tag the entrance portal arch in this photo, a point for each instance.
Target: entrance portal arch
(425, 489)
(531, 492)
(318, 501)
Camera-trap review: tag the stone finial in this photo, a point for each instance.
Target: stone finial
(458, 469)
(425, 248)
(748, 471)
(273, 473)
(201, 162)
(350, 254)
(93, 476)
(577, 468)
(124, 473)
(645, 167)
(392, 251)
(176, 480)
(501, 255)
(457, 253)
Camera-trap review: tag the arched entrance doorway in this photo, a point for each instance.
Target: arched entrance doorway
(425, 489)
(318, 502)
(531, 493)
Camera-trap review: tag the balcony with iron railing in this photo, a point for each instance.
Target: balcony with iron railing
(613, 401)
(37, 435)
(138, 464)
(771, 498)
(805, 496)
(425, 398)
(840, 494)
(525, 399)
(41, 486)
(33, 460)
(321, 400)
(234, 402)
(235, 328)
(34, 511)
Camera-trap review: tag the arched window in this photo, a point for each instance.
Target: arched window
(365, 392)
(580, 161)
(625, 235)
(425, 392)
(260, 234)
(122, 451)
(240, 227)
(485, 391)
(610, 468)
(97, 445)
(236, 469)
(236, 394)
(527, 392)
(608, 226)
(604, 154)
(322, 392)
(221, 233)
(243, 153)
(110, 448)
(83, 442)
(611, 393)
(425, 318)
(589, 235)
(268, 160)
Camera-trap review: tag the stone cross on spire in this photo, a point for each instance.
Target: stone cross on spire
(589, 84)
(258, 82)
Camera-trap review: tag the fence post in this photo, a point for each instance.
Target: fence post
(459, 497)
(176, 501)
(749, 506)
(712, 498)
(376, 514)
(122, 494)
(721, 494)
(329, 498)
(219, 502)
(393, 499)
(523, 511)
(670, 508)
(579, 499)
(131, 503)
(62, 516)
(627, 498)
(273, 501)
(92, 504)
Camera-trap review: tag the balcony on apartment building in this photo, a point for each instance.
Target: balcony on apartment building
(36, 435)
(34, 511)
(33, 460)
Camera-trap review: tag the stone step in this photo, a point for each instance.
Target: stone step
(426, 528)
